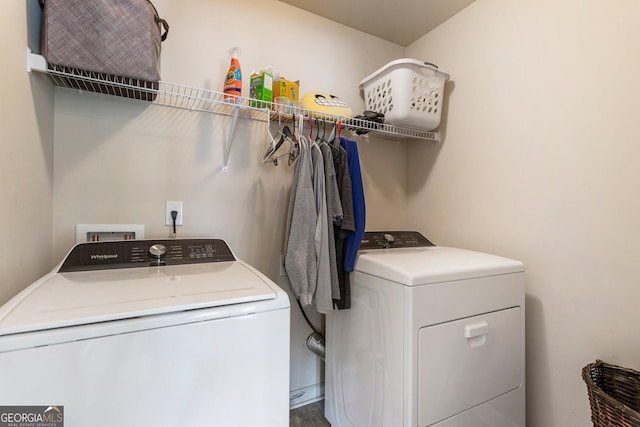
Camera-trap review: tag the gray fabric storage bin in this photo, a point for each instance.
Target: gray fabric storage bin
(120, 38)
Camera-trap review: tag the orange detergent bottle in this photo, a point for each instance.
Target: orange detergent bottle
(233, 81)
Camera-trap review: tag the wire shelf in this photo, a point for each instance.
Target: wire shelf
(161, 93)
(204, 100)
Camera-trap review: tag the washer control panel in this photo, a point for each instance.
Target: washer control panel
(393, 239)
(142, 253)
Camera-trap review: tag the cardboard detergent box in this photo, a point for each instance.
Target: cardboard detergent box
(286, 88)
(260, 91)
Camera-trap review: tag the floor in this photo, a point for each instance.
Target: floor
(311, 415)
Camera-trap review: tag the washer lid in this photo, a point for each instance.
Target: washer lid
(83, 297)
(432, 264)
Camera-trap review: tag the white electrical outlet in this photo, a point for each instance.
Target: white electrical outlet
(173, 206)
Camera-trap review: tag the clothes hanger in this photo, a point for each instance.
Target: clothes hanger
(273, 146)
(302, 139)
(332, 135)
(324, 130)
(271, 142)
(300, 124)
(317, 139)
(294, 144)
(336, 140)
(294, 152)
(312, 140)
(287, 135)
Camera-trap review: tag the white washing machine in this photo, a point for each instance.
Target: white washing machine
(150, 333)
(434, 337)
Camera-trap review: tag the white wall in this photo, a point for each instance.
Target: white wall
(537, 163)
(118, 161)
(540, 163)
(26, 125)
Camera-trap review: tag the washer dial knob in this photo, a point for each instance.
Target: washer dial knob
(157, 251)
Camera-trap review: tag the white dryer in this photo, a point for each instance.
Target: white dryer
(150, 333)
(434, 337)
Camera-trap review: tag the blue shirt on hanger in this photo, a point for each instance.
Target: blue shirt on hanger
(352, 243)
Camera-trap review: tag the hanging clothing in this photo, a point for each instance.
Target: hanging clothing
(334, 214)
(352, 243)
(346, 226)
(343, 179)
(325, 223)
(301, 268)
(323, 300)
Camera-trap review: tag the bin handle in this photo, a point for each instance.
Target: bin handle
(162, 22)
(433, 67)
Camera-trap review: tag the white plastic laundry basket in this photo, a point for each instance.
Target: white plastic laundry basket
(408, 92)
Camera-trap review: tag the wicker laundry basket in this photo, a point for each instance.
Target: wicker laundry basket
(614, 394)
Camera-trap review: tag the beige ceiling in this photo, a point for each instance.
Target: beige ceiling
(398, 21)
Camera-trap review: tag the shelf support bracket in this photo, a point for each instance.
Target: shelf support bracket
(225, 164)
(35, 62)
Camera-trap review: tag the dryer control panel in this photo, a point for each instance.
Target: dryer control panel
(393, 239)
(142, 253)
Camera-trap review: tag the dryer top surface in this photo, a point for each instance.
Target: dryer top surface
(432, 264)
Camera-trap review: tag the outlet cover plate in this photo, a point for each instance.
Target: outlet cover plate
(173, 206)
